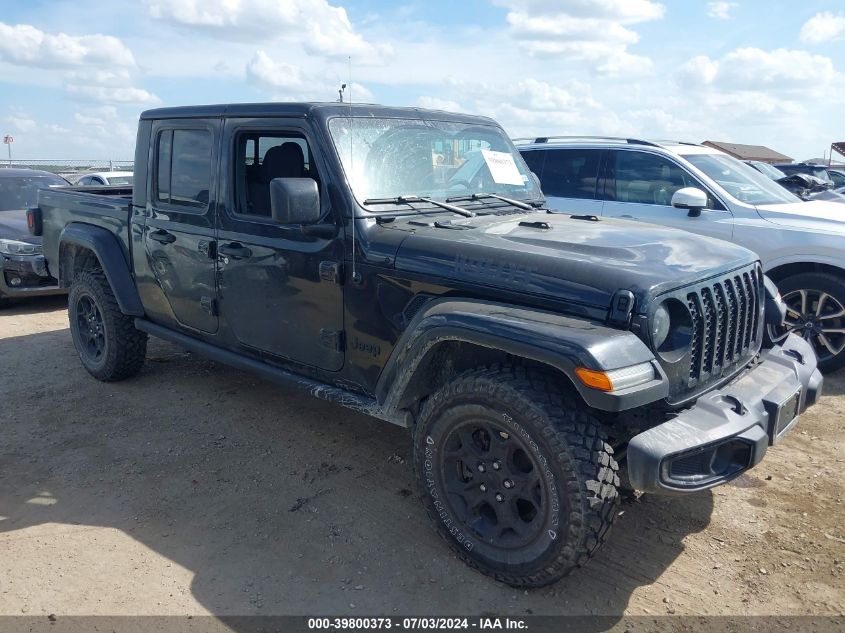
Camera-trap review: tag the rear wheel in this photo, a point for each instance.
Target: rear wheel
(815, 311)
(516, 475)
(106, 340)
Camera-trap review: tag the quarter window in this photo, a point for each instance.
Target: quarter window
(570, 173)
(184, 167)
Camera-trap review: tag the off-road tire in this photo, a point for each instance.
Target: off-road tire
(815, 283)
(123, 346)
(577, 474)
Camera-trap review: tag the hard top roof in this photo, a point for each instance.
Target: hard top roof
(305, 109)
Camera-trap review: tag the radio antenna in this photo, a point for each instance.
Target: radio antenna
(356, 278)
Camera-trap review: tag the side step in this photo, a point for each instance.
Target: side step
(323, 391)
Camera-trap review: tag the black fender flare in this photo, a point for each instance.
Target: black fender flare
(109, 252)
(563, 342)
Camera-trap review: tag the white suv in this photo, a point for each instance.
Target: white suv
(703, 190)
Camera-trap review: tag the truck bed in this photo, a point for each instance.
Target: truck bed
(106, 207)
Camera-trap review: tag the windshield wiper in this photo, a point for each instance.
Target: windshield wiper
(411, 199)
(519, 204)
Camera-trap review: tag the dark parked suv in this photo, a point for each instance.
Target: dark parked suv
(22, 269)
(810, 169)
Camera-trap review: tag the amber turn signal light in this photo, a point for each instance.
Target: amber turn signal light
(594, 379)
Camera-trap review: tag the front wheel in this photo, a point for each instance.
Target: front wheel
(516, 476)
(106, 340)
(815, 310)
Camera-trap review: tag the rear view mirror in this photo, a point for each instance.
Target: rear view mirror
(294, 200)
(690, 198)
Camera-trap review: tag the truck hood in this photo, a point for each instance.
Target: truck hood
(820, 215)
(566, 258)
(13, 227)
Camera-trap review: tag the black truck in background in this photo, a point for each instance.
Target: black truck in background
(400, 262)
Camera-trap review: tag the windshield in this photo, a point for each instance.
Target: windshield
(742, 181)
(388, 158)
(120, 180)
(769, 170)
(21, 192)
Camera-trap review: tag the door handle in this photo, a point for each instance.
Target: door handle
(235, 250)
(162, 236)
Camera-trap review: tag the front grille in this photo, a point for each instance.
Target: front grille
(727, 328)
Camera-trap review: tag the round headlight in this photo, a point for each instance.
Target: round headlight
(671, 330)
(660, 323)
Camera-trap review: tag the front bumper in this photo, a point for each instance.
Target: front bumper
(26, 276)
(728, 430)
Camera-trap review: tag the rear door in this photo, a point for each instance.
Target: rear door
(639, 185)
(568, 177)
(180, 227)
(279, 295)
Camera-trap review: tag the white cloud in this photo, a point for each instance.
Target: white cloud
(107, 86)
(594, 31)
(263, 71)
(699, 70)
(321, 28)
(109, 94)
(21, 123)
(720, 10)
(435, 103)
(823, 27)
(625, 11)
(777, 71)
(28, 46)
(289, 83)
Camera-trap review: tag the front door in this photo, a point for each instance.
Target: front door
(278, 293)
(180, 226)
(639, 185)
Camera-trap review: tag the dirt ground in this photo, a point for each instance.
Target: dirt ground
(198, 489)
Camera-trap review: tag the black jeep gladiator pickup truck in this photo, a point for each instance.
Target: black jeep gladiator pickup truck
(400, 262)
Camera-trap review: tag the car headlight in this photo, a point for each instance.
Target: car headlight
(671, 330)
(15, 247)
(660, 323)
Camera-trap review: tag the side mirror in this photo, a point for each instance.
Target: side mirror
(294, 200)
(690, 198)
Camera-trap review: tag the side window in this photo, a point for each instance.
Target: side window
(646, 178)
(96, 180)
(534, 160)
(263, 156)
(184, 167)
(85, 181)
(571, 173)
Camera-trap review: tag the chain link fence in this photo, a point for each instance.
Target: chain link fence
(70, 167)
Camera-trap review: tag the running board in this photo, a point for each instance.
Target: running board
(323, 391)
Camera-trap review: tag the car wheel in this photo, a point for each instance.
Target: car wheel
(815, 310)
(515, 474)
(106, 340)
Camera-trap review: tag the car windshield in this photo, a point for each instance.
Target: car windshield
(21, 192)
(385, 158)
(742, 181)
(120, 180)
(769, 170)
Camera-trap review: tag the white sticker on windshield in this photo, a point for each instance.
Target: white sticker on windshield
(502, 167)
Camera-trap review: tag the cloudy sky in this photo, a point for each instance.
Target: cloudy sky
(75, 75)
